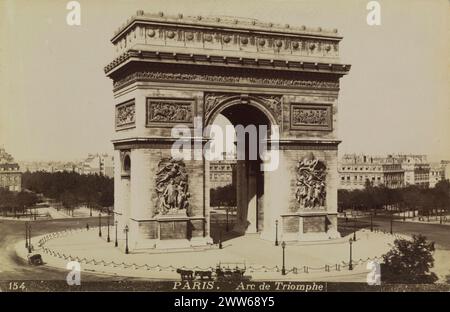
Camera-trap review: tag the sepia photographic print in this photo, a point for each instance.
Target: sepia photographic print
(235, 147)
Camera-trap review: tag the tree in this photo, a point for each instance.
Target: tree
(409, 262)
(71, 188)
(225, 195)
(7, 200)
(26, 199)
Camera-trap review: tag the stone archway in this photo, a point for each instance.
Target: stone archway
(170, 70)
(244, 111)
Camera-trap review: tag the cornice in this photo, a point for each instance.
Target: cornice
(228, 61)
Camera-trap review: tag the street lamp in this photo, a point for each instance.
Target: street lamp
(116, 243)
(276, 232)
(392, 220)
(108, 239)
(227, 218)
(283, 268)
(29, 238)
(371, 221)
(126, 239)
(350, 264)
(26, 234)
(99, 224)
(220, 240)
(354, 228)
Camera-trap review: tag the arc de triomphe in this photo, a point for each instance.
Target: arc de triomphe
(171, 69)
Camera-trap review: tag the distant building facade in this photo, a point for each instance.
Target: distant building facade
(437, 173)
(392, 171)
(446, 165)
(10, 174)
(222, 172)
(50, 166)
(99, 164)
(355, 171)
(417, 169)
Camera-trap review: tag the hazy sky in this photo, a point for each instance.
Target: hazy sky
(56, 103)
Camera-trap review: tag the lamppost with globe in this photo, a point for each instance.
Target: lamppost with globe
(126, 238)
(99, 224)
(108, 239)
(276, 232)
(350, 264)
(116, 243)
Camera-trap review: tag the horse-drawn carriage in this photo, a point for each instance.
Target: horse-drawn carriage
(223, 271)
(35, 259)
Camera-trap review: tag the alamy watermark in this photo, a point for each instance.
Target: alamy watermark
(252, 143)
(74, 276)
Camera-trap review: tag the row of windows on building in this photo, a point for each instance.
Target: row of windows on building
(361, 178)
(361, 168)
(9, 168)
(218, 176)
(9, 178)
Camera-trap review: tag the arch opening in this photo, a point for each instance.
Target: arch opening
(242, 189)
(126, 165)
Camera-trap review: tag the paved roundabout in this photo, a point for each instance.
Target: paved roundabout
(318, 261)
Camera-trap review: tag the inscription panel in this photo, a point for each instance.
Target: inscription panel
(173, 229)
(290, 224)
(314, 224)
(149, 230)
(311, 117)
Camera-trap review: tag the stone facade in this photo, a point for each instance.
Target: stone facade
(10, 173)
(417, 169)
(169, 70)
(437, 173)
(102, 164)
(355, 171)
(222, 173)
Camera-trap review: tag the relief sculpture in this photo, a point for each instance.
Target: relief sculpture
(168, 111)
(171, 187)
(125, 114)
(310, 189)
(310, 116)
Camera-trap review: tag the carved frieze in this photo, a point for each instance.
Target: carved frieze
(167, 111)
(311, 116)
(270, 102)
(171, 187)
(222, 79)
(126, 115)
(310, 191)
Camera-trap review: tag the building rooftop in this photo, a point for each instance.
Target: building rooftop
(226, 41)
(9, 166)
(232, 23)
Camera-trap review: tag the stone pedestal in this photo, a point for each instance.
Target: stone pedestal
(312, 226)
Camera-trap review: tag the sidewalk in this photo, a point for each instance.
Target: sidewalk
(433, 220)
(49, 213)
(319, 261)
